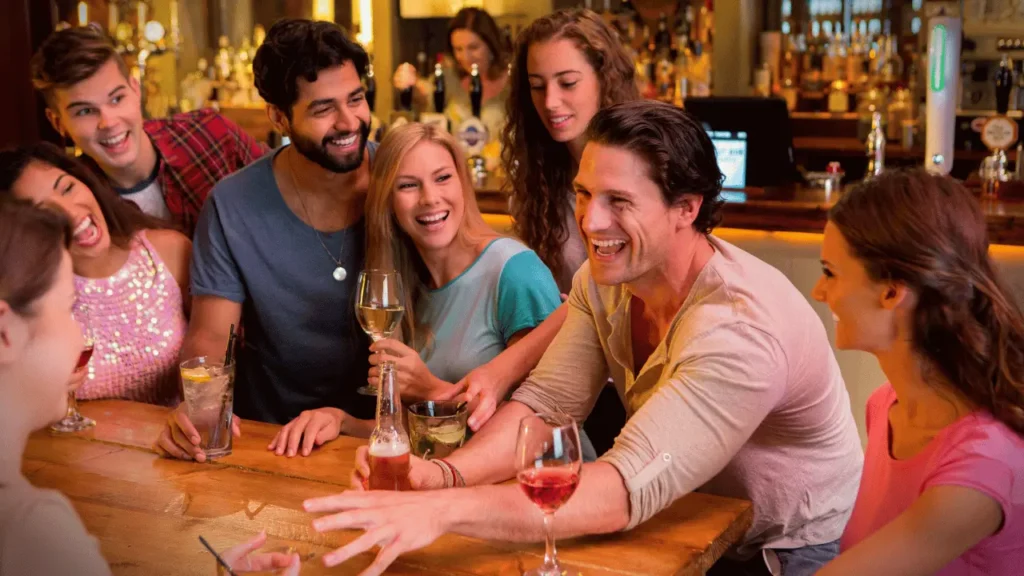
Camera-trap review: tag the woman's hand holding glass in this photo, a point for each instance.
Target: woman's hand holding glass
(414, 378)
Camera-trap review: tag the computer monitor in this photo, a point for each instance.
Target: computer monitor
(731, 150)
(769, 140)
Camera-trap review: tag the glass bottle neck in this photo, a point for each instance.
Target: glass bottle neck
(389, 401)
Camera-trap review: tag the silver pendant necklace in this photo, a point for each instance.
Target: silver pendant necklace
(339, 273)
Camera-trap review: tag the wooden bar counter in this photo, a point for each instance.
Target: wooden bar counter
(148, 512)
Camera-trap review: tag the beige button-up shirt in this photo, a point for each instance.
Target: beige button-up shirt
(742, 398)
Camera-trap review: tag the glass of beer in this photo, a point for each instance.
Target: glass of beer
(380, 306)
(209, 389)
(436, 429)
(73, 421)
(549, 461)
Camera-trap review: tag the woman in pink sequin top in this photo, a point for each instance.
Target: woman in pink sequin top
(131, 277)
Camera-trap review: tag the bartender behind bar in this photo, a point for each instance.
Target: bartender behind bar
(473, 38)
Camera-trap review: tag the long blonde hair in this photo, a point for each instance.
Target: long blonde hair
(387, 245)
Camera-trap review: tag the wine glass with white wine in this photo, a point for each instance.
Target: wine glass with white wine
(379, 307)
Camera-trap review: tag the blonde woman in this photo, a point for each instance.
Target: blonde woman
(471, 292)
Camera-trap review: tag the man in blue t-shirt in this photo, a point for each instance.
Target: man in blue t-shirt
(278, 248)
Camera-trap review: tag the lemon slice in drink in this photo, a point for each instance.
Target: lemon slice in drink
(197, 375)
(450, 435)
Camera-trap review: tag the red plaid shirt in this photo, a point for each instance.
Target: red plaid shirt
(197, 149)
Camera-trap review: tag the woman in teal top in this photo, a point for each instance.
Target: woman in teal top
(471, 293)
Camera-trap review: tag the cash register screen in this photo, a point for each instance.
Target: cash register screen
(731, 150)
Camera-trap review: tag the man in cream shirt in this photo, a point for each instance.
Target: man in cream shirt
(725, 371)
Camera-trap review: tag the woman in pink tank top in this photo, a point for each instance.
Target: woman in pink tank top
(131, 277)
(908, 278)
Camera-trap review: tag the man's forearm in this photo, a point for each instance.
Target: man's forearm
(489, 456)
(599, 506)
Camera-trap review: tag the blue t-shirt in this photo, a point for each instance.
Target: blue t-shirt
(303, 347)
(471, 319)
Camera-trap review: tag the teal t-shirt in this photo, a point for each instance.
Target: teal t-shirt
(471, 319)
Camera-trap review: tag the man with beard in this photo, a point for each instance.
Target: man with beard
(279, 246)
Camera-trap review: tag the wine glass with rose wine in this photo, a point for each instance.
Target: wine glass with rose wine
(73, 421)
(548, 465)
(379, 307)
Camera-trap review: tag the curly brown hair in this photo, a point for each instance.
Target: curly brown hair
(540, 170)
(929, 233)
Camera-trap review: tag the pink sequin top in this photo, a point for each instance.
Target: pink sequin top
(136, 321)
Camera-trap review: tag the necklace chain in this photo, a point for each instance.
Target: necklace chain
(319, 236)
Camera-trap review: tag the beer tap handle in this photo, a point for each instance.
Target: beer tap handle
(1004, 85)
(439, 92)
(476, 93)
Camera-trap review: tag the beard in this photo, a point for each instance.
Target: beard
(318, 151)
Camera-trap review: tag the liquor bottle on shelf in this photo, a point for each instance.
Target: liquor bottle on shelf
(855, 60)
(763, 80)
(829, 60)
(842, 54)
(790, 61)
(700, 71)
(891, 69)
(663, 66)
(875, 147)
(645, 66)
(681, 71)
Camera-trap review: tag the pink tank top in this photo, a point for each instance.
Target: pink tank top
(977, 451)
(136, 321)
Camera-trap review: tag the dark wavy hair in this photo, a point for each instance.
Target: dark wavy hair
(123, 219)
(297, 48)
(32, 243)
(929, 233)
(540, 170)
(679, 154)
(480, 23)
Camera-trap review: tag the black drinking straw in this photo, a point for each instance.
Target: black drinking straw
(229, 354)
(229, 357)
(217, 556)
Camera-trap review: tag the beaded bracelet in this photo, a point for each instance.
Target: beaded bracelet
(459, 481)
(449, 480)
